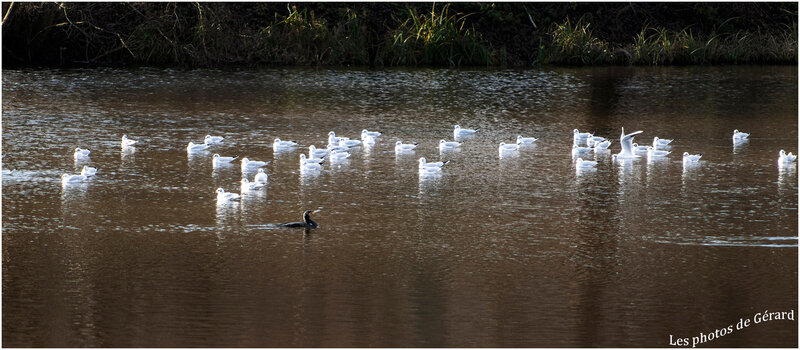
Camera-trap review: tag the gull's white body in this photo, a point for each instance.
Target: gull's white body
(282, 145)
(423, 163)
(69, 179)
(654, 153)
(739, 136)
(220, 161)
(786, 158)
(208, 140)
(691, 158)
(525, 140)
(192, 147)
(248, 186)
(261, 177)
(626, 142)
(250, 164)
(126, 142)
(584, 164)
(223, 196)
(81, 154)
(399, 147)
(458, 131)
(507, 147)
(365, 133)
(88, 171)
(314, 152)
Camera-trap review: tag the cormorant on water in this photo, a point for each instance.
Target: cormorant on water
(307, 222)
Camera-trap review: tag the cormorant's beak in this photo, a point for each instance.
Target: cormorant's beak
(315, 211)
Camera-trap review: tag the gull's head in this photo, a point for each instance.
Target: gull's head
(442, 142)
(312, 148)
(191, 143)
(782, 153)
(124, 137)
(519, 138)
(331, 134)
(77, 149)
(208, 137)
(398, 143)
(277, 140)
(735, 131)
(302, 156)
(220, 191)
(422, 161)
(575, 131)
(64, 176)
(635, 144)
(216, 155)
(245, 181)
(261, 170)
(245, 160)
(502, 144)
(364, 131)
(457, 127)
(685, 154)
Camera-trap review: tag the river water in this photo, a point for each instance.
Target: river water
(522, 250)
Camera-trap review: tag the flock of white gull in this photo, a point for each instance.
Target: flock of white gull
(339, 148)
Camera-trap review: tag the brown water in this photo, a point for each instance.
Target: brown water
(519, 251)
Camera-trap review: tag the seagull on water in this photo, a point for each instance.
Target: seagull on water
(423, 163)
(786, 158)
(578, 136)
(314, 152)
(278, 145)
(88, 171)
(507, 147)
(365, 133)
(577, 150)
(739, 136)
(223, 196)
(653, 153)
(591, 140)
(337, 156)
(448, 145)
(220, 161)
(638, 148)
(602, 145)
(81, 154)
(660, 143)
(261, 177)
(248, 186)
(305, 160)
(209, 140)
(192, 147)
(349, 143)
(69, 179)
(400, 147)
(367, 140)
(691, 158)
(626, 142)
(458, 131)
(249, 164)
(126, 142)
(525, 140)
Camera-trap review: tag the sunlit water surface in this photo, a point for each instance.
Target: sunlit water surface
(522, 250)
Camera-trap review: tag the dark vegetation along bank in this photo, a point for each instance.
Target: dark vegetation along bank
(207, 34)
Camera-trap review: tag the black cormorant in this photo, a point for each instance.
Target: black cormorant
(307, 222)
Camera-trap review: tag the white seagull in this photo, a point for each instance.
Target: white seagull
(657, 142)
(126, 142)
(278, 145)
(249, 164)
(423, 163)
(525, 140)
(458, 131)
(400, 147)
(602, 145)
(223, 196)
(504, 147)
(367, 140)
(88, 171)
(739, 136)
(212, 139)
(314, 152)
(365, 133)
(192, 147)
(219, 161)
(81, 154)
(786, 158)
(637, 148)
(448, 145)
(337, 156)
(691, 158)
(626, 142)
(652, 152)
(349, 143)
(68, 179)
(305, 160)
(248, 186)
(576, 150)
(577, 136)
(261, 177)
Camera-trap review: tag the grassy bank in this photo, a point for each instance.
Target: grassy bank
(397, 34)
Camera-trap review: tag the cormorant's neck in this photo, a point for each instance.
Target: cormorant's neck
(308, 221)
